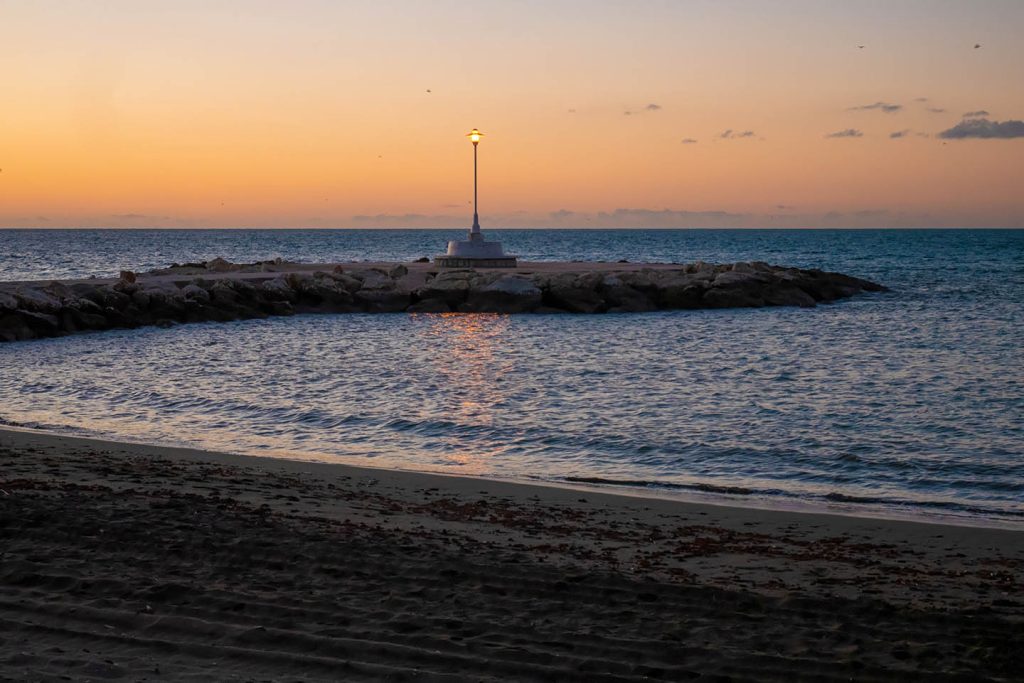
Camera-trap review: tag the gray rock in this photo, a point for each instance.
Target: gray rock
(373, 279)
(450, 285)
(219, 265)
(622, 298)
(14, 328)
(8, 302)
(730, 297)
(41, 324)
(193, 292)
(785, 294)
(563, 291)
(734, 278)
(141, 299)
(383, 300)
(37, 301)
(507, 294)
(278, 289)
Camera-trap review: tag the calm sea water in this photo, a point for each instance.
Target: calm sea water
(905, 403)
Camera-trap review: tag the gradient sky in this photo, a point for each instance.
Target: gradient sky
(145, 113)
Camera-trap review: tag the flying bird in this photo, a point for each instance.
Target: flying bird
(860, 47)
(428, 89)
(977, 45)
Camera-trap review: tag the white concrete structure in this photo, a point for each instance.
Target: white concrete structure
(475, 252)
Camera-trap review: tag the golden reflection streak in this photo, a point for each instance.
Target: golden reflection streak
(473, 372)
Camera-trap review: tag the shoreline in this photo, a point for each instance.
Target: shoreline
(684, 496)
(127, 561)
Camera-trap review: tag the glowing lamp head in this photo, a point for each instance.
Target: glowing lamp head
(474, 136)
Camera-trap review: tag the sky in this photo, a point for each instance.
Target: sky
(646, 113)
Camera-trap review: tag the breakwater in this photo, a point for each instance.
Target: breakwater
(221, 291)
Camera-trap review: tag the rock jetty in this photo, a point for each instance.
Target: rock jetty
(218, 290)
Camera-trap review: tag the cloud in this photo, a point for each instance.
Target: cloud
(731, 134)
(848, 133)
(785, 207)
(689, 141)
(983, 128)
(407, 220)
(137, 217)
(976, 114)
(561, 213)
(937, 110)
(881, 106)
(899, 134)
(572, 111)
(921, 99)
(653, 107)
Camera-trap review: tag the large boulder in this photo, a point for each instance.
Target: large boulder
(328, 292)
(507, 294)
(623, 298)
(450, 285)
(37, 301)
(731, 297)
(383, 300)
(564, 291)
(220, 265)
(14, 328)
(193, 292)
(279, 289)
(41, 324)
(785, 294)
(8, 302)
(373, 279)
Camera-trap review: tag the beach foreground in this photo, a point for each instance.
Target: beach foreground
(143, 563)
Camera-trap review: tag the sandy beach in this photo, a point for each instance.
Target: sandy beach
(135, 562)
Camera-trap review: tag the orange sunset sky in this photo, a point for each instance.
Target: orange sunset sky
(145, 113)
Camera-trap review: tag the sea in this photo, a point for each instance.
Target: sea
(904, 404)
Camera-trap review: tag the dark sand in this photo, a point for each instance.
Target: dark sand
(126, 562)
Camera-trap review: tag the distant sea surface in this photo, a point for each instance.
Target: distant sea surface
(909, 403)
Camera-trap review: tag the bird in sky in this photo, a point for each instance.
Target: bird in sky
(428, 89)
(860, 47)
(977, 45)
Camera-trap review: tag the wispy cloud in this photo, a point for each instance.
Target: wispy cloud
(646, 107)
(785, 207)
(848, 133)
(880, 106)
(976, 114)
(689, 141)
(985, 129)
(936, 110)
(899, 134)
(731, 134)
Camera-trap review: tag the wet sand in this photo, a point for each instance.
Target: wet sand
(136, 562)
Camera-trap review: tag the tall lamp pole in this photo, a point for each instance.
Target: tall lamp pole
(474, 137)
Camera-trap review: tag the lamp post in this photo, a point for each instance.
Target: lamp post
(475, 252)
(474, 137)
